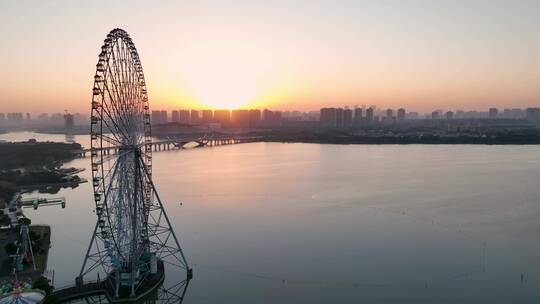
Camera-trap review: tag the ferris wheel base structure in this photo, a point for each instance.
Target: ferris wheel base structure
(84, 290)
(96, 292)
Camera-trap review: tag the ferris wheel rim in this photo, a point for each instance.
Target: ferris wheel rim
(103, 143)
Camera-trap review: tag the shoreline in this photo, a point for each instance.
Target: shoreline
(404, 143)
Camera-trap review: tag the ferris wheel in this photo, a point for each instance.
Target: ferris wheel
(120, 126)
(132, 231)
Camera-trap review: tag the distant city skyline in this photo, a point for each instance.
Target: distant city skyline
(170, 112)
(353, 115)
(421, 55)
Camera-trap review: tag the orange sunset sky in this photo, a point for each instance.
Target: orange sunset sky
(422, 55)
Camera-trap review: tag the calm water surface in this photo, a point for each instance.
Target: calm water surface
(308, 223)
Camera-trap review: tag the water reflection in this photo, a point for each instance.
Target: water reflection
(299, 223)
(70, 138)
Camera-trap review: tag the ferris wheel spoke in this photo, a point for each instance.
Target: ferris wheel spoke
(113, 109)
(109, 72)
(118, 103)
(110, 157)
(115, 126)
(111, 140)
(116, 120)
(118, 206)
(109, 192)
(125, 67)
(131, 78)
(122, 77)
(118, 79)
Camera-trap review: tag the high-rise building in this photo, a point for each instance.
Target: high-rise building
(175, 116)
(493, 113)
(164, 118)
(69, 123)
(339, 118)
(183, 116)
(207, 116)
(412, 115)
(254, 117)
(2, 116)
(154, 117)
(271, 118)
(43, 117)
(370, 114)
(357, 116)
(347, 118)
(401, 114)
(449, 115)
(222, 117)
(159, 117)
(389, 115)
(532, 113)
(435, 115)
(240, 118)
(327, 118)
(56, 118)
(267, 115)
(80, 119)
(194, 117)
(357, 119)
(517, 113)
(278, 115)
(15, 117)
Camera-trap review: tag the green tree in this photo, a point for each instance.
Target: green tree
(34, 235)
(4, 220)
(43, 284)
(11, 248)
(25, 221)
(7, 190)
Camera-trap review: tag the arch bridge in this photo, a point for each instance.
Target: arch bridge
(187, 142)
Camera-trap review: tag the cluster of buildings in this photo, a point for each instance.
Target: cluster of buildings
(347, 118)
(328, 117)
(225, 118)
(14, 117)
(18, 118)
(492, 113)
(340, 118)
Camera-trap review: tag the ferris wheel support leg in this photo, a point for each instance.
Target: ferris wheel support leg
(117, 287)
(79, 279)
(189, 270)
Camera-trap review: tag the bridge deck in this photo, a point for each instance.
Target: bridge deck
(180, 143)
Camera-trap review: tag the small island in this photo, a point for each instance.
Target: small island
(35, 165)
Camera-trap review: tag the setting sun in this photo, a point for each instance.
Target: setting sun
(220, 89)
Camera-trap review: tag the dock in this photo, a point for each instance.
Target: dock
(36, 202)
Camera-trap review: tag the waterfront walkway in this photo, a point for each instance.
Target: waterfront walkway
(12, 209)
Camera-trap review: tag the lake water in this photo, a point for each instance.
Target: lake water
(309, 223)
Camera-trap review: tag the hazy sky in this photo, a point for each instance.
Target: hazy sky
(422, 55)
